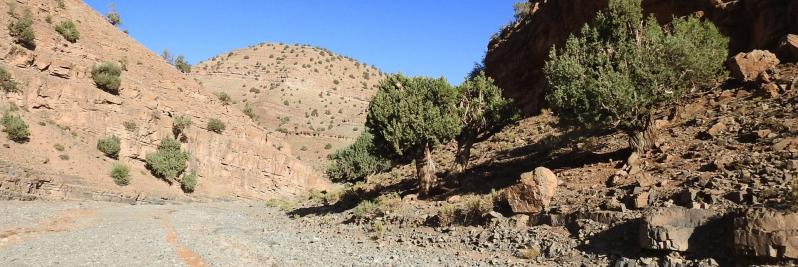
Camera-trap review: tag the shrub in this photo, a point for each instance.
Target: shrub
(7, 83)
(468, 211)
(216, 126)
(22, 30)
(224, 97)
(68, 30)
(357, 161)
(179, 125)
(107, 76)
(484, 112)
(410, 117)
(521, 9)
(249, 112)
(182, 65)
(189, 182)
(109, 146)
(130, 126)
(121, 174)
(615, 74)
(328, 146)
(59, 147)
(169, 160)
(15, 127)
(368, 210)
(114, 18)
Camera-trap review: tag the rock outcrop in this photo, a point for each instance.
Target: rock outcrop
(753, 66)
(766, 233)
(65, 109)
(534, 192)
(516, 56)
(672, 228)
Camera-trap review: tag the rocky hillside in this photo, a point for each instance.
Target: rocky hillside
(67, 114)
(515, 56)
(314, 98)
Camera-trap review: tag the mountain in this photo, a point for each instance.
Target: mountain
(67, 114)
(313, 98)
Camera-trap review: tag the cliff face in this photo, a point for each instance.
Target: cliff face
(516, 56)
(65, 109)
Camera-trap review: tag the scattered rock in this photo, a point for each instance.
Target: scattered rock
(766, 233)
(753, 66)
(645, 180)
(671, 228)
(640, 201)
(769, 90)
(520, 220)
(453, 199)
(534, 192)
(716, 129)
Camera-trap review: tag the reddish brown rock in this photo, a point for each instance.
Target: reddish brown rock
(753, 66)
(534, 192)
(765, 233)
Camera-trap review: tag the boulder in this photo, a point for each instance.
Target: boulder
(789, 47)
(753, 66)
(672, 228)
(534, 192)
(766, 233)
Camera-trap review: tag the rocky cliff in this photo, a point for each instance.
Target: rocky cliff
(515, 57)
(67, 114)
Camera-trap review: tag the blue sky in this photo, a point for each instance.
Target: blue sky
(415, 37)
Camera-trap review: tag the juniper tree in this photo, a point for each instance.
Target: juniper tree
(410, 117)
(483, 113)
(616, 73)
(357, 161)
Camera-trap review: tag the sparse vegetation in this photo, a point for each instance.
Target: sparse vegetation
(130, 126)
(249, 111)
(114, 18)
(110, 146)
(182, 65)
(522, 9)
(68, 30)
(469, 210)
(179, 125)
(106, 76)
(7, 83)
(121, 174)
(216, 126)
(59, 147)
(368, 210)
(615, 74)
(15, 127)
(169, 161)
(22, 30)
(413, 133)
(189, 182)
(224, 97)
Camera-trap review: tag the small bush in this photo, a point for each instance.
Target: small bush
(249, 112)
(121, 174)
(189, 182)
(468, 211)
(216, 126)
(328, 146)
(59, 147)
(15, 127)
(107, 76)
(224, 97)
(109, 146)
(7, 83)
(383, 205)
(182, 65)
(114, 18)
(357, 161)
(179, 125)
(22, 30)
(68, 30)
(130, 126)
(169, 161)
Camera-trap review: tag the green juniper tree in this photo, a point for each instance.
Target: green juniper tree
(616, 73)
(483, 113)
(357, 161)
(410, 117)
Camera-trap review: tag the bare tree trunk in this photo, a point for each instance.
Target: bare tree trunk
(641, 141)
(425, 171)
(463, 154)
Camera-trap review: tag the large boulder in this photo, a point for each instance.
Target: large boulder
(789, 47)
(672, 228)
(766, 233)
(534, 192)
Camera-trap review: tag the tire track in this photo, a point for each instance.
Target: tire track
(186, 255)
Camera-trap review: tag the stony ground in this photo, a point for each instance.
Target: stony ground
(218, 234)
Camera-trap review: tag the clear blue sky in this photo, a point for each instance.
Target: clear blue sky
(415, 37)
